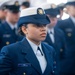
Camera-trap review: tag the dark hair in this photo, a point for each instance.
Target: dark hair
(25, 25)
(20, 29)
(26, 4)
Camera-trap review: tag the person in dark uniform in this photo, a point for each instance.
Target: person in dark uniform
(8, 29)
(29, 56)
(55, 37)
(2, 12)
(68, 27)
(60, 8)
(24, 5)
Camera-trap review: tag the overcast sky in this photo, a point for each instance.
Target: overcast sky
(39, 2)
(57, 1)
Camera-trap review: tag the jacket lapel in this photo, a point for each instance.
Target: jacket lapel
(9, 30)
(71, 22)
(29, 55)
(48, 39)
(49, 59)
(55, 36)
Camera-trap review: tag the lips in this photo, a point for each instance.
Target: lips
(43, 34)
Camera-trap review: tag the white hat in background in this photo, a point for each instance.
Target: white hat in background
(50, 9)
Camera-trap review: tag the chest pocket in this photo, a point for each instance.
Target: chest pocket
(6, 39)
(25, 69)
(70, 35)
(69, 32)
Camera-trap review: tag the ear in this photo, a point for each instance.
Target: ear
(68, 7)
(6, 12)
(24, 29)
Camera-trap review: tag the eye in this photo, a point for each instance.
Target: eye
(39, 25)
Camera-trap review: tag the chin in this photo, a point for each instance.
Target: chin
(42, 39)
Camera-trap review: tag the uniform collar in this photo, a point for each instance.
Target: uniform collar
(12, 26)
(51, 30)
(73, 19)
(34, 46)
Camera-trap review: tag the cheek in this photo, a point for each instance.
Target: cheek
(1, 12)
(14, 17)
(56, 22)
(10, 16)
(72, 10)
(52, 22)
(31, 31)
(35, 32)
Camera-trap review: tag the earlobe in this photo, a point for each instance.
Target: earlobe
(24, 30)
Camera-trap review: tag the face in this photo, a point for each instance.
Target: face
(2, 14)
(71, 10)
(13, 17)
(34, 33)
(53, 21)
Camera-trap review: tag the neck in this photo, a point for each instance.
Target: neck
(35, 42)
(51, 27)
(13, 23)
(73, 16)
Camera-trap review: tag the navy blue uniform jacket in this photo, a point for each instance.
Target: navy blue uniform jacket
(68, 28)
(59, 46)
(19, 59)
(59, 42)
(7, 36)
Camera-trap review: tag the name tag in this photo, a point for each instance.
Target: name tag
(24, 64)
(7, 35)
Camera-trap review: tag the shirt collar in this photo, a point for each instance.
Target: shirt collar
(12, 26)
(34, 46)
(73, 19)
(52, 30)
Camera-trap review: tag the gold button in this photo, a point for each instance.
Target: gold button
(54, 62)
(7, 43)
(61, 50)
(24, 73)
(69, 34)
(53, 71)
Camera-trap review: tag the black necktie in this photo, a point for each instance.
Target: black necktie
(52, 36)
(51, 32)
(14, 30)
(40, 51)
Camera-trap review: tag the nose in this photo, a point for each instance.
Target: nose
(43, 28)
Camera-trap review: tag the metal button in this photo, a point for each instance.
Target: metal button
(61, 50)
(53, 71)
(69, 34)
(24, 73)
(54, 62)
(7, 42)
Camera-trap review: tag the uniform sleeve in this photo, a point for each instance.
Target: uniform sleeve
(5, 61)
(54, 63)
(0, 38)
(63, 52)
